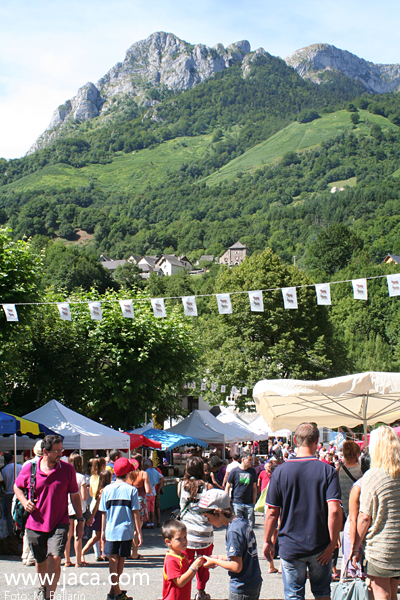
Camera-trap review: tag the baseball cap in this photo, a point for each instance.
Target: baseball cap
(134, 463)
(122, 467)
(213, 499)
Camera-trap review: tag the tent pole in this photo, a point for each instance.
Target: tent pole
(223, 449)
(365, 402)
(15, 456)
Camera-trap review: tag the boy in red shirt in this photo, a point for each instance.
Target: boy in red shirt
(178, 572)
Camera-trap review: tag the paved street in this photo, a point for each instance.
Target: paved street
(143, 578)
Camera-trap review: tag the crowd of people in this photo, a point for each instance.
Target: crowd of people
(314, 499)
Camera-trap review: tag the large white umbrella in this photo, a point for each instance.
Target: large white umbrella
(366, 398)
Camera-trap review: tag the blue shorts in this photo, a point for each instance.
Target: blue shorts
(122, 549)
(294, 576)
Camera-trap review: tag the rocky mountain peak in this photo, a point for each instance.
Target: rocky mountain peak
(162, 59)
(311, 61)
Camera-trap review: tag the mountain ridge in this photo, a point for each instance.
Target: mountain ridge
(163, 61)
(311, 61)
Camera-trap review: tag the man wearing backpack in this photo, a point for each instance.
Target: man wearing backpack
(48, 521)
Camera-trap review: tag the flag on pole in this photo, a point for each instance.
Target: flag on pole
(189, 305)
(393, 282)
(127, 308)
(224, 304)
(256, 301)
(323, 291)
(360, 289)
(95, 311)
(64, 310)
(158, 307)
(11, 312)
(289, 297)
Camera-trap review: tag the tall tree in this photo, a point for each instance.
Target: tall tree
(241, 348)
(116, 369)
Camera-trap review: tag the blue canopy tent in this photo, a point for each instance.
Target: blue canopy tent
(168, 440)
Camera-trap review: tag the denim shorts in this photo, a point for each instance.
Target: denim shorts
(253, 594)
(294, 576)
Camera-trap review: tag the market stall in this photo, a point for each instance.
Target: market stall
(366, 398)
(78, 431)
(169, 442)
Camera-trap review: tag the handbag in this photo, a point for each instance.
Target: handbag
(260, 504)
(19, 514)
(178, 514)
(350, 588)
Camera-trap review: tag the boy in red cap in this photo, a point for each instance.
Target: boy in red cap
(120, 505)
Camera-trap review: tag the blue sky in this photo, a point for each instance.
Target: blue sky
(49, 48)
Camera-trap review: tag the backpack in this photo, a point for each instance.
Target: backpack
(19, 514)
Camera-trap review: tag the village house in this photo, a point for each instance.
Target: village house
(234, 255)
(170, 264)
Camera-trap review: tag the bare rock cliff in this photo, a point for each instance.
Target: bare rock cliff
(161, 60)
(311, 61)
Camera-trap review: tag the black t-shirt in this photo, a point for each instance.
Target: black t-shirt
(302, 487)
(242, 481)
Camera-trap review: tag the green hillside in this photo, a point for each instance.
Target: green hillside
(297, 137)
(126, 173)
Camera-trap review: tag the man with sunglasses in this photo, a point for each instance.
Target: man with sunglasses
(47, 505)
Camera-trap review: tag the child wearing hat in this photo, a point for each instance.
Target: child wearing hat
(120, 506)
(241, 560)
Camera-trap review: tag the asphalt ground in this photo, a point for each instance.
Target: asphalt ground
(142, 578)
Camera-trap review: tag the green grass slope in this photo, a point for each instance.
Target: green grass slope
(127, 173)
(297, 137)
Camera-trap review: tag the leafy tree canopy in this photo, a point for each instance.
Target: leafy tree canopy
(244, 347)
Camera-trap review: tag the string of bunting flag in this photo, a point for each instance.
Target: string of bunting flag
(289, 294)
(203, 387)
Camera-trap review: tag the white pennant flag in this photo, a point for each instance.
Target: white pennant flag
(64, 310)
(158, 307)
(223, 388)
(95, 311)
(393, 282)
(256, 301)
(244, 391)
(360, 289)
(323, 291)
(213, 387)
(224, 304)
(127, 308)
(234, 390)
(11, 312)
(193, 385)
(289, 297)
(203, 387)
(189, 305)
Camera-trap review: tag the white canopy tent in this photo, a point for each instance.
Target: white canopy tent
(204, 426)
(366, 398)
(227, 416)
(261, 425)
(78, 431)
